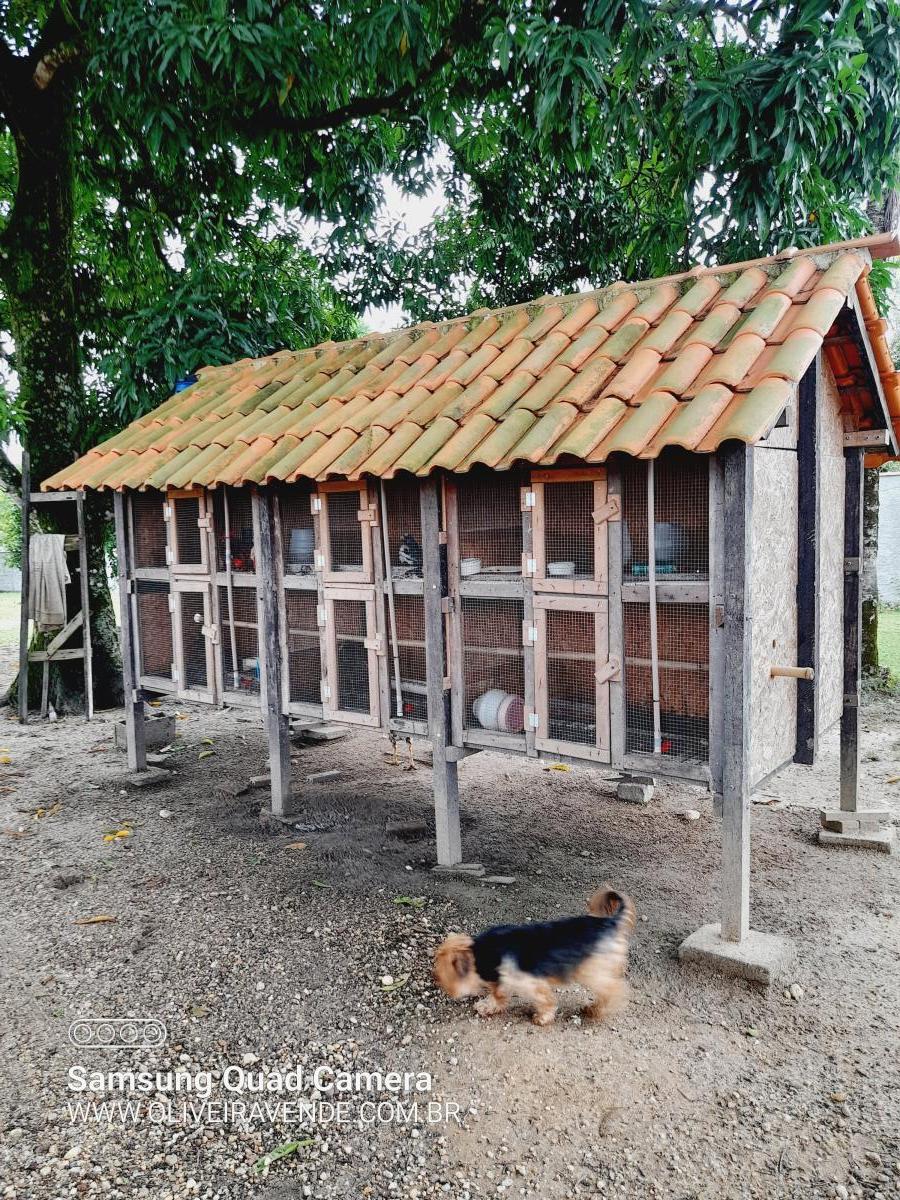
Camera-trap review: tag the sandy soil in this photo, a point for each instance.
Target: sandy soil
(251, 946)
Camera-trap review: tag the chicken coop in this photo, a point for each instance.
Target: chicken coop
(619, 528)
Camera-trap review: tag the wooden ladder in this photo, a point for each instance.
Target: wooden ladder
(55, 650)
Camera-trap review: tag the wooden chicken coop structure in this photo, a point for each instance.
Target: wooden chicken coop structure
(619, 528)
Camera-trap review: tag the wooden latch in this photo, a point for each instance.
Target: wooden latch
(609, 671)
(368, 515)
(610, 511)
(211, 632)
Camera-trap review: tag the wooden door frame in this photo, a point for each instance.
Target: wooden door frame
(342, 578)
(599, 585)
(204, 567)
(181, 587)
(371, 644)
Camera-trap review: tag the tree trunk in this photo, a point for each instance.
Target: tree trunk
(37, 270)
(869, 574)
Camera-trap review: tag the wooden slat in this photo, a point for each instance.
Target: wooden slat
(41, 656)
(809, 467)
(853, 515)
(716, 626)
(85, 592)
(616, 631)
(134, 705)
(26, 573)
(445, 780)
(531, 660)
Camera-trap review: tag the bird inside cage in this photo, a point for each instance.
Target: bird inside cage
(410, 554)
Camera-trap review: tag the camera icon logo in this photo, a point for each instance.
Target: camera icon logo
(117, 1033)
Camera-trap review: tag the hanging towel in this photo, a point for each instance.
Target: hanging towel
(48, 576)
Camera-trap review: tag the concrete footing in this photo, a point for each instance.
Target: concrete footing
(635, 789)
(880, 840)
(760, 957)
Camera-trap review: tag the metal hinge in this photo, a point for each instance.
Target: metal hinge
(321, 615)
(529, 499)
(610, 511)
(171, 600)
(445, 605)
(851, 566)
(170, 557)
(167, 512)
(130, 587)
(324, 690)
(529, 566)
(211, 632)
(174, 673)
(533, 721)
(318, 560)
(529, 634)
(315, 504)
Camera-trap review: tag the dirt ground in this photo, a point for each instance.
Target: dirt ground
(281, 948)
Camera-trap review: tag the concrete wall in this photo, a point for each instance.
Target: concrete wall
(889, 538)
(831, 560)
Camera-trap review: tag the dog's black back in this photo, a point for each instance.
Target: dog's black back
(552, 949)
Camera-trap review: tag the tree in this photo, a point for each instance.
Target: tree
(153, 151)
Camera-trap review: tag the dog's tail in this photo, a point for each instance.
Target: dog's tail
(607, 903)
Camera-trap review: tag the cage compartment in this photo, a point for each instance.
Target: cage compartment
(570, 531)
(153, 616)
(352, 643)
(409, 614)
(239, 640)
(681, 518)
(493, 668)
(346, 523)
(683, 656)
(149, 531)
(403, 521)
(232, 512)
(571, 675)
(298, 534)
(188, 525)
(304, 655)
(193, 656)
(488, 515)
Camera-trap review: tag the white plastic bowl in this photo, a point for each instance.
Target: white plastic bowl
(511, 714)
(561, 568)
(486, 709)
(469, 566)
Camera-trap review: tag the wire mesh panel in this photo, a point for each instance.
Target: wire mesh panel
(681, 517)
(188, 535)
(154, 627)
(303, 647)
(569, 529)
(404, 528)
(149, 526)
(489, 514)
(238, 529)
(410, 654)
(683, 652)
(493, 664)
(297, 531)
(350, 630)
(345, 532)
(571, 664)
(194, 667)
(239, 639)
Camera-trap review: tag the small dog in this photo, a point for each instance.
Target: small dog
(528, 961)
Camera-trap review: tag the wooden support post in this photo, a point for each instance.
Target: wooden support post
(853, 512)
(274, 716)
(134, 704)
(737, 461)
(616, 622)
(446, 784)
(84, 591)
(808, 559)
(23, 614)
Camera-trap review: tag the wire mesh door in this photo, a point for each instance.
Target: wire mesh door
(304, 657)
(571, 516)
(153, 611)
(346, 521)
(188, 530)
(239, 640)
(351, 692)
(493, 665)
(195, 637)
(572, 673)
(149, 533)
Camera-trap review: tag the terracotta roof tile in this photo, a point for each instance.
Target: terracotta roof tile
(689, 360)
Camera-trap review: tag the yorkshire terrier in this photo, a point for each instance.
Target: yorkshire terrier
(528, 961)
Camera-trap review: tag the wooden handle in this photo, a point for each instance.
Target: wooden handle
(792, 672)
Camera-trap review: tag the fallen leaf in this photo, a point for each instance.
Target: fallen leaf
(16, 833)
(295, 846)
(206, 754)
(395, 984)
(318, 883)
(557, 767)
(100, 919)
(837, 1097)
(114, 834)
(750, 1031)
(410, 901)
(208, 742)
(5, 759)
(154, 703)
(264, 1162)
(40, 812)
(893, 779)
(198, 1010)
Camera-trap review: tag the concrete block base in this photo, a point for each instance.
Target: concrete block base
(837, 821)
(461, 870)
(880, 840)
(152, 777)
(635, 789)
(760, 957)
(159, 730)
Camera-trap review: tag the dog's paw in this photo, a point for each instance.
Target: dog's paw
(544, 1016)
(487, 1006)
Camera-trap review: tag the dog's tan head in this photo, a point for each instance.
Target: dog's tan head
(454, 967)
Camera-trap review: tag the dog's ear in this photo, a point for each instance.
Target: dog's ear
(453, 961)
(463, 961)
